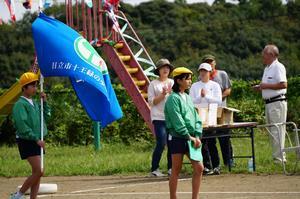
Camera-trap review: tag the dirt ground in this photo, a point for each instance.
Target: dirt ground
(139, 187)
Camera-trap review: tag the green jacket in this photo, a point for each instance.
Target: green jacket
(27, 119)
(182, 119)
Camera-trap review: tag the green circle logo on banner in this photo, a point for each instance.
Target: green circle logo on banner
(88, 54)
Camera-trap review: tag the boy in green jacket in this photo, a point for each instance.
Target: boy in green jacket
(27, 120)
(183, 124)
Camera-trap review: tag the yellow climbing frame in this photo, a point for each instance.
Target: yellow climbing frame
(8, 99)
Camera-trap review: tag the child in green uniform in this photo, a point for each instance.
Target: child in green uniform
(27, 120)
(183, 124)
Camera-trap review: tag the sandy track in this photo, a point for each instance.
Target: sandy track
(138, 187)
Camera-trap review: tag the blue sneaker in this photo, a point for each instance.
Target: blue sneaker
(15, 196)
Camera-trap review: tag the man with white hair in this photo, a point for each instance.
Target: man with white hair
(273, 87)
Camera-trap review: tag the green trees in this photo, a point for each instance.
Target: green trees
(16, 50)
(235, 33)
(70, 125)
(183, 33)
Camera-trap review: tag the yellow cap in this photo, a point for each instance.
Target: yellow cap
(181, 70)
(27, 78)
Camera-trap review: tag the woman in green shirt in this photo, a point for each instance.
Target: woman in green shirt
(183, 124)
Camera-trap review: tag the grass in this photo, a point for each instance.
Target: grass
(123, 159)
(81, 160)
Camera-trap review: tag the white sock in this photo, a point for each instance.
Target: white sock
(18, 194)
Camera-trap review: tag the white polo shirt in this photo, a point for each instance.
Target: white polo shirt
(213, 93)
(275, 73)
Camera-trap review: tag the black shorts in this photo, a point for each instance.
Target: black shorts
(178, 145)
(28, 148)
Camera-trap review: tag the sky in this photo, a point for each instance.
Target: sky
(20, 10)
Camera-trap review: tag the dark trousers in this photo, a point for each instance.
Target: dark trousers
(210, 154)
(161, 141)
(226, 149)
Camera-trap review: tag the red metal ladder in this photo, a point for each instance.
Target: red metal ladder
(126, 53)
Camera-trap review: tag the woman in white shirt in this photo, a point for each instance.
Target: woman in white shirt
(158, 91)
(203, 93)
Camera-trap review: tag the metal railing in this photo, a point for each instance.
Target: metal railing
(128, 35)
(292, 146)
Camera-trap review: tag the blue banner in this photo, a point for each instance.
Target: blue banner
(61, 51)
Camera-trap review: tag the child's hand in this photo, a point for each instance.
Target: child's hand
(197, 143)
(44, 96)
(41, 143)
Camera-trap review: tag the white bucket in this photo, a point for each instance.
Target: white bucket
(44, 189)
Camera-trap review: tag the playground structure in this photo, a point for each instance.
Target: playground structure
(8, 98)
(106, 27)
(103, 25)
